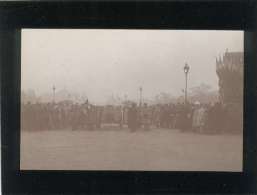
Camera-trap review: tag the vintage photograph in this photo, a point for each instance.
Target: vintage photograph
(132, 100)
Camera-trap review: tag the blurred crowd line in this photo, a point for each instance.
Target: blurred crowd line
(195, 117)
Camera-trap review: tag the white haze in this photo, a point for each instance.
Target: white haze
(101, 63)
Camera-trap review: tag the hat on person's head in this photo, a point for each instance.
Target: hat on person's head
(197, 103)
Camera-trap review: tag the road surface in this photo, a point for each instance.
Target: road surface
(156, 149)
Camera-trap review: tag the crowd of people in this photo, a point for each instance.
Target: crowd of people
(186, 117)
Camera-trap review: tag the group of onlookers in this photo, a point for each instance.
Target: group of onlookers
(187, 117)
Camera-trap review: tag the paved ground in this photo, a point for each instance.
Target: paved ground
(157, 149)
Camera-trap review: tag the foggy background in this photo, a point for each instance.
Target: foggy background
(98, 64)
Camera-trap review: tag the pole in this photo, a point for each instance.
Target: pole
(140, 102)
(54, 94)
(186, 90)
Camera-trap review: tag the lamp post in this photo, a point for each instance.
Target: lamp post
(140, 90)
(54, 94)
(186, 71)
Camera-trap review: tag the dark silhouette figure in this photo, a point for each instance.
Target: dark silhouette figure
(132, 117)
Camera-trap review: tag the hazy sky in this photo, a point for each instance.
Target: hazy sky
(99, 63)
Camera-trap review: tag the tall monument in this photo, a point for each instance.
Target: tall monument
(230, 70)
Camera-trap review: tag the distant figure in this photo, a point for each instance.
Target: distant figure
(171, 116)
(133, 117)
(199, 118)
(145, 117)
(164, 116)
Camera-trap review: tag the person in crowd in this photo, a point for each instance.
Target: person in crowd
(145, 116)
(156, 116)
(99, 111)
(199, 117)
(75, 117)
(171, 116)
(164, 116)
(84, 114)
(91, 117)
(133, 117)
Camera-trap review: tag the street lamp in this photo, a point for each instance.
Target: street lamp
(54, 93)
(186, 71)
(140, 89)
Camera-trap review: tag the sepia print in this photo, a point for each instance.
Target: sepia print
(152, 100)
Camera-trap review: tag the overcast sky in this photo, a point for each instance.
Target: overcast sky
(100, 63)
